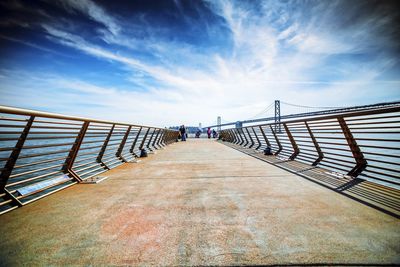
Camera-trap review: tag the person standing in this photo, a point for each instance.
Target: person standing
(214, 133)
(209, 132)
(182, 130)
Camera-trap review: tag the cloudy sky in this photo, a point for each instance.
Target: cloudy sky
(171, 62)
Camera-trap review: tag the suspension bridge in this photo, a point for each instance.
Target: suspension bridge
(308, 189)
(303, 111)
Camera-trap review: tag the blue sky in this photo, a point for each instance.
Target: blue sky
(172, 62)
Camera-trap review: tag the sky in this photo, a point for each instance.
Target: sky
(172, 62)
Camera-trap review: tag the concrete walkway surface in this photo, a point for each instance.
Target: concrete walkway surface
(198, 203)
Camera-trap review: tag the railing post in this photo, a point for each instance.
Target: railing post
(122, 144)
(278, 116)
(168, 136)
(238, 138)
(159, 145)
(155, 139)
(277, 141)
(361, 162)
(156, 143)
(221, 134)
(296, 150)
(258, 139)
(251, 139)
(264, 136)
(316, 145)
(165, 138)
(246, 141)
(226, 135)
(151, 138)
(234, 138)
(73, 153)
(241, 136)
(229, 136)
(144, 139)
(104, 147)
(135, 141)
(174, 136)
(12, 159)
(245, 138)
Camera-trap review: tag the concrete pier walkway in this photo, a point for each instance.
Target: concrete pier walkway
(198, 203)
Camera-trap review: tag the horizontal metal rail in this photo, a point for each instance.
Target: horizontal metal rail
(42, 153)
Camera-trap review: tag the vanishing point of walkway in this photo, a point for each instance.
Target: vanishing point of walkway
(198, 203)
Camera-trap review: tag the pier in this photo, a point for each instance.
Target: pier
(196, 203)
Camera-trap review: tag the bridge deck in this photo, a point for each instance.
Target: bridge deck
(197, 203)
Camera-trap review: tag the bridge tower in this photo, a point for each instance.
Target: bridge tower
(219, 123)
(277, 116)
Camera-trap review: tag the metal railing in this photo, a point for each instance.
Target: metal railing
(42, 153)
(362, 146)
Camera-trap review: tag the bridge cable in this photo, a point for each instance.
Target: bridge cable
(311, 107)
(263, 112)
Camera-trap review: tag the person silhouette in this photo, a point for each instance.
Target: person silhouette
(182, 130)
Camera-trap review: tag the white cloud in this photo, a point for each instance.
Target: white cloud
(30, 44)
(94, 11)
(174, 106)
(253, 76)
(320, 44)
(272, 57)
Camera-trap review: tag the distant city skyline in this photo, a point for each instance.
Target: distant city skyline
(178, 62)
